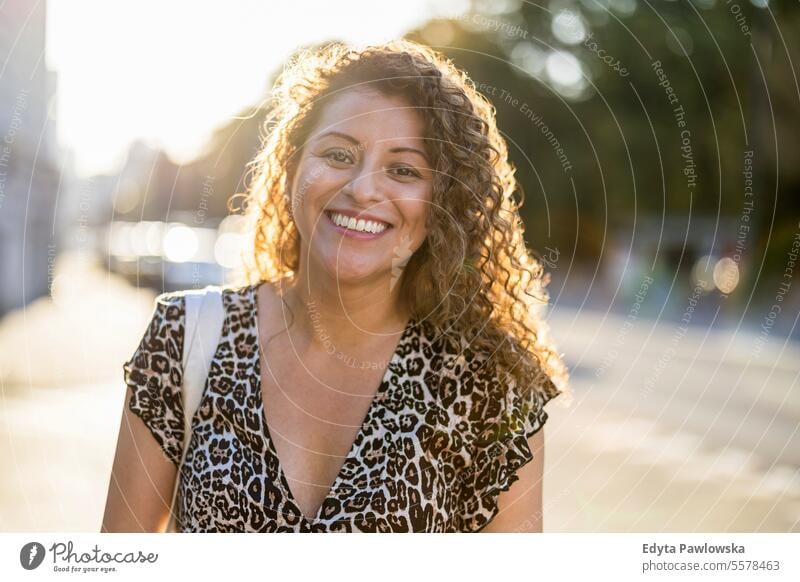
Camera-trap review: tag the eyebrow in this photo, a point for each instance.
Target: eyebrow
(412, 150)
(353, 140)
(338, 134)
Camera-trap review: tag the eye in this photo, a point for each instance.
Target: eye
(406, 172)
(338, 156)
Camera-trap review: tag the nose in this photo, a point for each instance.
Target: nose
(365, 187)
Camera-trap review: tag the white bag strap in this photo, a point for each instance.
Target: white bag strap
(205, 316)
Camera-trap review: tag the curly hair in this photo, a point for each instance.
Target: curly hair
(473, 278)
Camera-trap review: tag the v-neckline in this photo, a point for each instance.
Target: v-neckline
(358, 441)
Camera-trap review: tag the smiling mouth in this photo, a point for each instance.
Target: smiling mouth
(353, 225)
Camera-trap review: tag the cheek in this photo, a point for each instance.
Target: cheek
(415, 214)
(315, 184)
(311, 179)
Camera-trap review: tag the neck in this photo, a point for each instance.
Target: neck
(330, 312)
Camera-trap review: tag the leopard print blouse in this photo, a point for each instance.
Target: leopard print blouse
(433, 454)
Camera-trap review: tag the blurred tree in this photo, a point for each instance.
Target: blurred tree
(654, 105)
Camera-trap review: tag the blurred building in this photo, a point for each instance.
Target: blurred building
(29, 179)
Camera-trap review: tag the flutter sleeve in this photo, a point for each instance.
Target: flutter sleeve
(500, 448)
(154, 374)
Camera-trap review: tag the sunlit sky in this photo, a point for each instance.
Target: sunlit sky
(170, 72)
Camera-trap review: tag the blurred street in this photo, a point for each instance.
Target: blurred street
(699, 434)
(709, 444)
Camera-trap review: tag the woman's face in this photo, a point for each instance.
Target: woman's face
(362, 189)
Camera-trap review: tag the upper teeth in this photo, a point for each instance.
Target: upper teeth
(360, 225)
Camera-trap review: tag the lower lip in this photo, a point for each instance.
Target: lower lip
(354, 233)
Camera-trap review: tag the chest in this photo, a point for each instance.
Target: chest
(286, 442)
(315, 408)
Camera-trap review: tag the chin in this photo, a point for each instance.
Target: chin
(346, 271)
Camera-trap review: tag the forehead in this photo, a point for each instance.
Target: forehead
(371, 117)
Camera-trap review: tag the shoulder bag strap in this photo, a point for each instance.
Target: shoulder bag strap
(202, 328)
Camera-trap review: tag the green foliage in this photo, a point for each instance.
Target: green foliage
(622, 136)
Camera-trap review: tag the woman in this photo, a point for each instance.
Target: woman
(384, 367)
